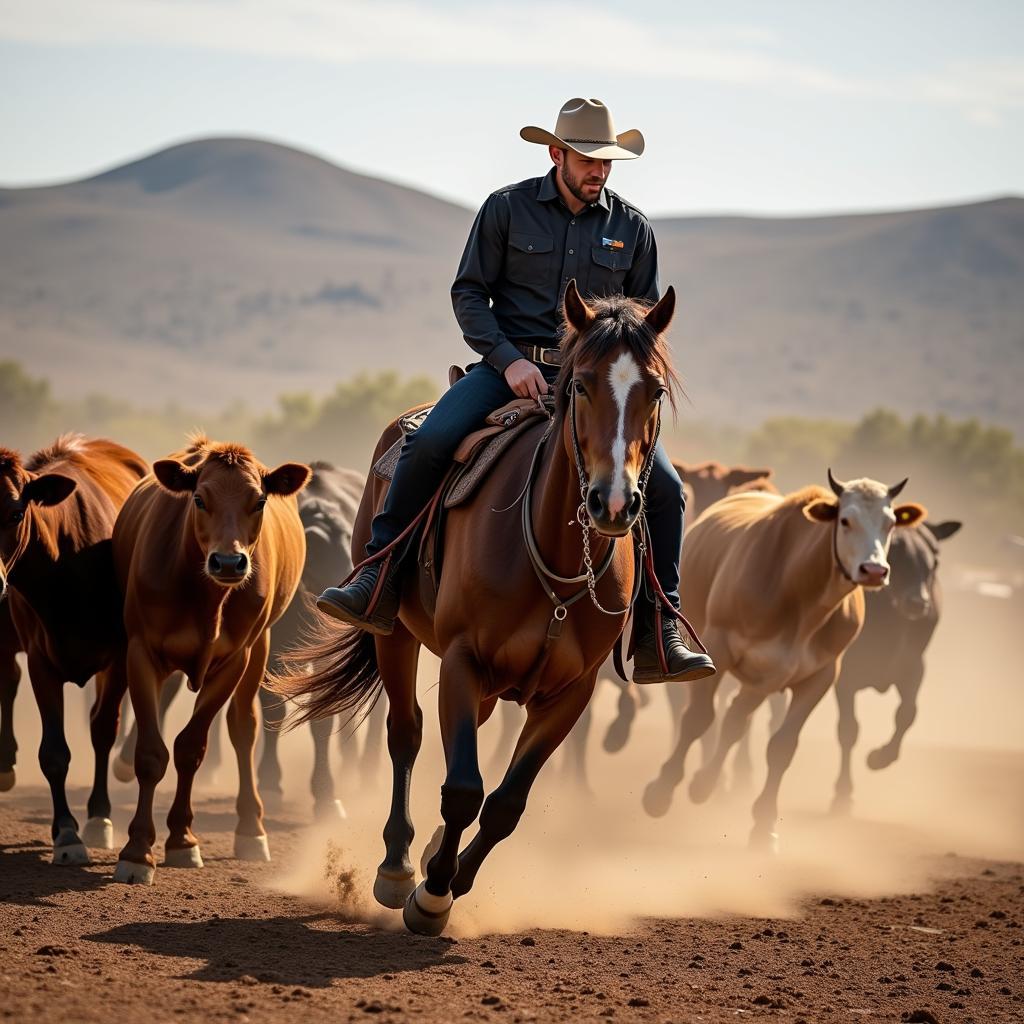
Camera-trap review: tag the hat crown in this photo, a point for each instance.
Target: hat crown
(586, 121)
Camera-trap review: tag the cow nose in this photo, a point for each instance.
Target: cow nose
(233, 566)
(873, 572)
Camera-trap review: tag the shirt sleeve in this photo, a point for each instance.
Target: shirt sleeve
(481, 267)
(642, 277)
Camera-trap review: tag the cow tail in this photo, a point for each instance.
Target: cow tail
(329, 672)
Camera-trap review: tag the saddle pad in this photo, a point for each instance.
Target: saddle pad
(384, 467)
(468, 478)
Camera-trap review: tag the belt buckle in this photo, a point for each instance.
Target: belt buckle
(544, 353)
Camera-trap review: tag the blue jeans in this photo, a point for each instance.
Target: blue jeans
(427, 454)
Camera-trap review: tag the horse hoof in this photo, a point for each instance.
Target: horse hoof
(69, 849)
(183, 857)
(430, 849)
(134, 874)
(329, 810)
(99, 834)
(426, 914)
(657, 800)
(124, 771)
(392, 891)
(254, 848)
(702, 786)
(7, 781)
(764, 842)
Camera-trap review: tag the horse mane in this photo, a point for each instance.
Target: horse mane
(618, 320)
(68, 446)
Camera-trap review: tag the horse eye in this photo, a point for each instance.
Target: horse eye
(261, 504)
(660, 394)
(199, 503)
(579, 388)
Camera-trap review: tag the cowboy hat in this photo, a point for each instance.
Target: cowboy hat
(585, 126)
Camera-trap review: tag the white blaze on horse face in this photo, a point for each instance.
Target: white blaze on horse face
(623, 376)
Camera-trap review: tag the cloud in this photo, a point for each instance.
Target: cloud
(490, 36)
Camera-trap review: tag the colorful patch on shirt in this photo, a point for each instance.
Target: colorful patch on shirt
(612, 243)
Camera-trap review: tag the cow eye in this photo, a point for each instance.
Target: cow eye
(199, 503)
(844, 522)
(17, 515)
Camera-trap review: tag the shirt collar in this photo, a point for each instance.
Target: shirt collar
(549, 190)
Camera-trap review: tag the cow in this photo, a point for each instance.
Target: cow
(57, 513)
(775, 586)
(898, 626)
(709, 482)
(209, 551)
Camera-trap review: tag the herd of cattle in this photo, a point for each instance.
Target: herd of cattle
(146, 577)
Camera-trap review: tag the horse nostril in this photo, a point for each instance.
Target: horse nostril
(636, 504)
(595, 505)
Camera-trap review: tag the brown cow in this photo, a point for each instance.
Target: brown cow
(209, 551)
(774, 585)
(57, 513)
(709, 482)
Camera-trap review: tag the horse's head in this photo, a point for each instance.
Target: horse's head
(616, 369)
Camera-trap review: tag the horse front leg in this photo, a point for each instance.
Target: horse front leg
(547, 725)
(111, 686)
(427, 909)
(908, 686)
(10, 676)
(397, 657)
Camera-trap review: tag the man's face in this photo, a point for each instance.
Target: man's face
(583, 177)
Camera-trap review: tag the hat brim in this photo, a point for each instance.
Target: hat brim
(628, 146)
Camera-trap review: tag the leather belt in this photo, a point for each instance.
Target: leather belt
(540, 354)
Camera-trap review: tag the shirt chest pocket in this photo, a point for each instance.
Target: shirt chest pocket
(608, 269)
(529, 259)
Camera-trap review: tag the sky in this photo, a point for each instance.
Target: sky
(789, 106)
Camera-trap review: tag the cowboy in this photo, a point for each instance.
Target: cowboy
(528, 241)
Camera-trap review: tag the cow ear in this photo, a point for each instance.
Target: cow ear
(742, 475)
(910, 514)
(822, 511)
(49, 489)
(578, 314)
(175, 476)
(943, 531)
(659, 316)
(287, 479)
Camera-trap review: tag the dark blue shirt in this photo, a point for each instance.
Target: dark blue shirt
(525, 247)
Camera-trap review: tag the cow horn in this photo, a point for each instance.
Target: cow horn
(837, 485)
(896, 488)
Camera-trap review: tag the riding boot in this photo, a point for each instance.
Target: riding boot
(370, 600)
(681, 665)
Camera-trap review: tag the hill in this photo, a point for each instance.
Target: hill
(234, 269)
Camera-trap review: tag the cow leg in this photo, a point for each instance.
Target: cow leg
(576, 750)
(10, 677)
(699, 714)
(908, 686)
(782, 747)
(743, 764)
(182, 848)
(269, 772)
(426, 910)
(111, 686)
(618, 732)
(326, 806)
(135, 862)
(848, 730)
(397, 656)
(735, 724)
(55, 759)
(124, 762)
(546, 727)
(709, 738)
(373, 746)
(510, 717)
(250, 835)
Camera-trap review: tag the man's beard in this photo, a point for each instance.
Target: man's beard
(574, 185)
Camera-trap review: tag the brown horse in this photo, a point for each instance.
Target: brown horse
(209, 552)
(495, 625)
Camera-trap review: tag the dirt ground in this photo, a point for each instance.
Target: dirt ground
(226, 943)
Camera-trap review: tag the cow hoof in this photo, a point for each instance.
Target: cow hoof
(880, 758)
(273, 799)
(426, 914)
(764, 842)
(430, 849)
(657, 800)
(99, 834)
(252, 848)
(392, 891)
(124, 771)
(702, 785)
(329, 810)
(69, 849)
(7, 781)
(183, 857)
(134, 874)
(617, 735)
(841, 806)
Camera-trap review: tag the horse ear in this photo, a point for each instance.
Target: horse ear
(578, 314)
(175, 476)
(821, 511)
(48, 489)
(287, 478)
(659, 316)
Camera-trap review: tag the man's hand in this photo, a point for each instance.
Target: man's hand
(525, 379)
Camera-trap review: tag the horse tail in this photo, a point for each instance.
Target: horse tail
(329, 672)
